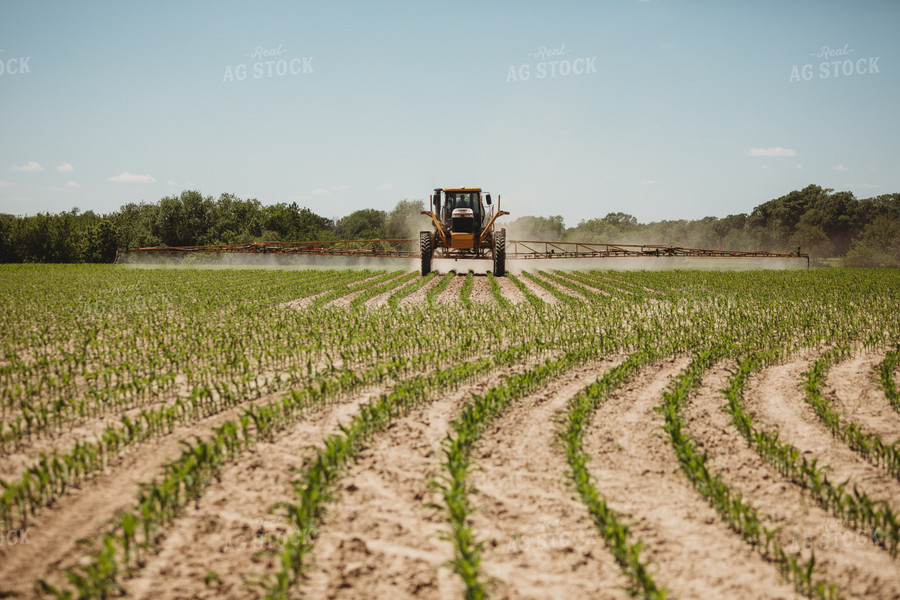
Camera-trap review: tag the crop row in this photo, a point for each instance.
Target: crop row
(886, 374)
(869, 445)
(742, 516)
(185, 478)
(854, 506)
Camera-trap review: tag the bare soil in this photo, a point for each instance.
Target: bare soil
(562, 288)
(509, 290)
(698, 556)
(419, 296)
(537, 290)
(481, 290)
(844, 556)
(382, 540)
(450, 295)
(776, 399)
(235, 520)
(854, 388)
(539, 541)
(81, 514)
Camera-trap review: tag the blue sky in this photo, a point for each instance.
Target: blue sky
(662, 109)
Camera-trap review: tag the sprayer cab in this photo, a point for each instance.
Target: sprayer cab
(463, 221)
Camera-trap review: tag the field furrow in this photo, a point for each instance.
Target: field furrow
(381, 539)
(845, 556)
(510, 291)
(215, 548)
(55, 532)
(419, 296)
(853, 387)
(450, 295)
(635, 468)
(378, 434)
(775, 398)
(539, 542)
(536, 289)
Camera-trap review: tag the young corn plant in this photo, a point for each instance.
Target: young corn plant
(886, 370)
(869, 445)
(611, 525)
(740, 515)
(855, 507)
(496, 293)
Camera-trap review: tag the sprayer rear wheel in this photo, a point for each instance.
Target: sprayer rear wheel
(427, 251)
(500, 253)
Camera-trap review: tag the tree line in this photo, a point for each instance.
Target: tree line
(834, 227)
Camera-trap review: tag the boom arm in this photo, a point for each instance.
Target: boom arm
(490, 224)
(437, 226)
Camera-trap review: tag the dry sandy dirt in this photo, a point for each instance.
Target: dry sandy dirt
(382, 537)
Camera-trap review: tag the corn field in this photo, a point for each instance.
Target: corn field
(373, 434)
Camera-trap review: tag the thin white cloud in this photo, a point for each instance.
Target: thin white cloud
(340, 188)
(65, 168)
(799, 166)
(319, 192)
(4, 184)
(862, 185)
(386, 187)
(649, 182)
(126, 177)
(779, 151)
(840, 168)
(72, 184)
(29, 167)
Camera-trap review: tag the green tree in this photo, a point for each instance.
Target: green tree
(365, 224)
(99, 242)
(879, 245)
(184, 220)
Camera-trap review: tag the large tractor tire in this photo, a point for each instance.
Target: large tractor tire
(500, 253)
(427, 250)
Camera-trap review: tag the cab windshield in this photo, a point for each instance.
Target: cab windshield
(471, 200)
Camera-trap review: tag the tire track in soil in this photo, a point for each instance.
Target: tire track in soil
(84, 510)
(844, 557)
(381, 540)
(697, 555)
(219, 533)
(539, 541)
(775, 398)
(854, 388)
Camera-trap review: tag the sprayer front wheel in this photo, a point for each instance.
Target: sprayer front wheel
(427, 251)
(500, 253)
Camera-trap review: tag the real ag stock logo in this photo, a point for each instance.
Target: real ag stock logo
(552, 64)
(836, 62)
(17, 65)
(268, 63)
